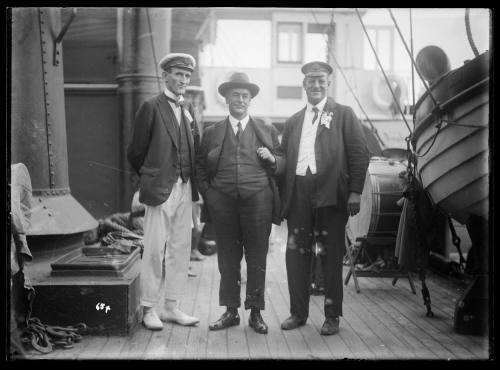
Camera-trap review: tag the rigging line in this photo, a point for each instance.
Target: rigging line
(408, 148)
(154, 52)
(438, 127)
(373, 128)
(412, 60)
(383, 72)
(469, 33)
(412, 68)
(91, 163)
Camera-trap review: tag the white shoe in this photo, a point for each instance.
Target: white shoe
(179, 317)
(151, 320)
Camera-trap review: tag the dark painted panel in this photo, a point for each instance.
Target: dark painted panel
(94, 150)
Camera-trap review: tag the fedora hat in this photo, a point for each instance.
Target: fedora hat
(239, 80)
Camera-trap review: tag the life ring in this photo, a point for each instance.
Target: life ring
(381, 94)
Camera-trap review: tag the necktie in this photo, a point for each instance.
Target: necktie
(179, 102)
(315, 110)
(239, 132)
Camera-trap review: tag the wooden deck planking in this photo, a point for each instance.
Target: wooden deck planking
(475, 344)
(381, 330)
(197, 344)
(278, 347)
(217, 347)
(415, 348)
(257, 343)
(111, 350)
(178, 341)
(320, 346)
(93, 349)
(338, 343)
(351, 339)
(299, 348)
(135, 347)
(391, 307)
(433, 326)
(383, 321)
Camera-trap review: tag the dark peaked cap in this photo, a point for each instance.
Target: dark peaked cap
(316, 69)
(239, 80)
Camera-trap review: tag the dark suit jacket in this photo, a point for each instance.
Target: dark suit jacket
(153, 149)
(208, 156)
(342, 157)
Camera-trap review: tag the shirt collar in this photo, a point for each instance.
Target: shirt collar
(170, 94)
(234, 121)
(320, 105)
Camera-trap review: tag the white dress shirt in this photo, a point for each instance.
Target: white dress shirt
(307, 157)
(234, 123)
(177, 109)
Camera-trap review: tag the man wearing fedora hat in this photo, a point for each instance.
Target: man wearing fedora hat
(162, 152)
(326, 163)
(235, 169)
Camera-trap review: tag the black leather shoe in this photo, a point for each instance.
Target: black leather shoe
(292, 322)
(226, 320)
(330, 326)
(257, 323)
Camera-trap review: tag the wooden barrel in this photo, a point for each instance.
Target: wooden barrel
(379, 213)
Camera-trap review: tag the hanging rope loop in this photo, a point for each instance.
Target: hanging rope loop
(395, 99)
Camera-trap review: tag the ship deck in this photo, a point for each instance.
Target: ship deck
(381, 322)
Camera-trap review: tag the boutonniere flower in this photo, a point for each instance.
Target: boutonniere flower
(326, 118)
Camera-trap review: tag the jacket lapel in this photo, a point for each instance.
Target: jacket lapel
(294, 141)
(188, 129)
(262, 134)
(329, 107)
(218, 137)
(169, 119)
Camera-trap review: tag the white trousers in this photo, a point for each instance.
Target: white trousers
(167, 247)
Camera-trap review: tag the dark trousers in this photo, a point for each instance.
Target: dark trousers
(307, 225)
(241, 225)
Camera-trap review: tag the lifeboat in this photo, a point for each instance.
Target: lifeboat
(451, 140)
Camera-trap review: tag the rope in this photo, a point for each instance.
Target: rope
(44, 338)
(456, 242)
(412, 68)
(383, 71)
(438, 126)
(469, 33)
(337, 64)
(153, 47)
(411, 193)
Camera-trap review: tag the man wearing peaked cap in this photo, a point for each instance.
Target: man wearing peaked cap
(162, 152)
(235, 170)
(326, 163)
(316, 69)
(178, 60)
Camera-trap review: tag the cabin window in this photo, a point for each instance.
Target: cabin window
(289, 42)
(382, 39)
(316, 47)
(239, 43)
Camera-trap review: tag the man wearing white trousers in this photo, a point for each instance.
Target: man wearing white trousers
(162, 152)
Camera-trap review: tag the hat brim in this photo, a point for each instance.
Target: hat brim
(165, 67)
(253, 88)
